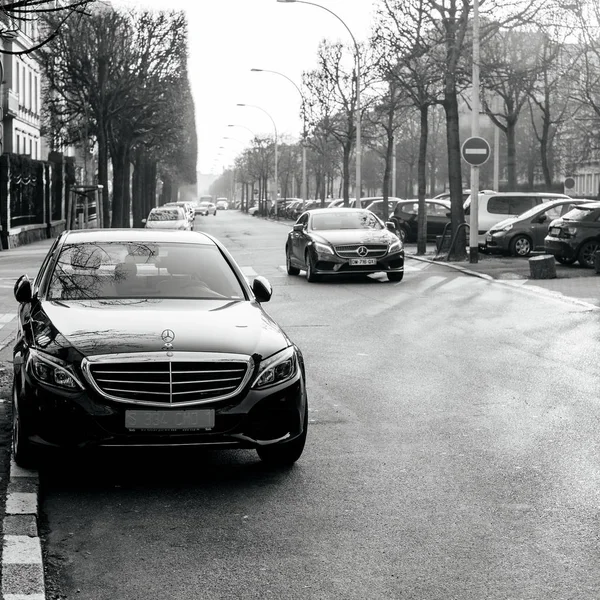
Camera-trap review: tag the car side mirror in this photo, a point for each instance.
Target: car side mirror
(391, 226)
(298, 227)
(22, 289)
(262, 289)
(542, 218)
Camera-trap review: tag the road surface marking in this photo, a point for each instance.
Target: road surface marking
(7, 318)
(430, 282)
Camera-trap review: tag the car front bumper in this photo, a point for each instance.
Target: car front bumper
(332, 264)
(559, 247)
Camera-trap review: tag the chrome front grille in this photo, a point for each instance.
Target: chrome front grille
(159, 381)
(351, 250)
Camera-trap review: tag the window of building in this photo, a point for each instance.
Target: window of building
(588, 187)
(31, 147)
(18, 78)
(30, 92)
(18, 144)
(36, 152)
(35, 94)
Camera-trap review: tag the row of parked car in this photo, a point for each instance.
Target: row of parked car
(515, 223)
(182, 215)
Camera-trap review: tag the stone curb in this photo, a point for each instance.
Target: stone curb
(531, 289)
(22, 565)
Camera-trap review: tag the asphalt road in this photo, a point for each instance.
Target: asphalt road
(452, 454)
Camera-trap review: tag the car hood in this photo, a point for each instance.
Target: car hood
(354, 236)
(94, 327)
(503, 223)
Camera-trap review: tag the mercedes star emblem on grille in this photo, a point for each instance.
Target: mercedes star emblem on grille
(362, 251)
(167, 336)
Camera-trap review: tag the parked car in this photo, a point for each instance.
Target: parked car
(498, 206)
(345, 241)
(207, 208)
(521, 235)
(177, 374)
(377, 206)
(364, 202)
(308, 205)
(222, 204)
(406, 213)
(253, 210)
(167, 217)
(288, 212)
(465, 194)
(188, 208)
(575, 235)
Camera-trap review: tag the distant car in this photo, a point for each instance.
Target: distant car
(187, 207)
(204, 365)
(498, 206)
(522, 235)
(575, 235)
(343, 241)
(253, 210)
(406, 213)
(222, 204)
(364, 202)
(377, 206)
(465, 194)
(206, 208)
(168, 217)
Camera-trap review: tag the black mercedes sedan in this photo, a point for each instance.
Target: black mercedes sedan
(144, 337)
(343, 241)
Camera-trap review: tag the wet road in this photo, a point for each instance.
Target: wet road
(452, 453)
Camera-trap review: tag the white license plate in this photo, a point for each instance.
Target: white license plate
(169, 420)
(361, 262)
(554, 230)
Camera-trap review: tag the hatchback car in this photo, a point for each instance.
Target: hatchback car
(187, 207)
(343, 241)
(406, 213)
(222, 204)
(151, 338)
(207, 208)
(167, 217)
(521, 235)
(575, 235)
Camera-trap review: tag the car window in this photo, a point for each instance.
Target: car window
(520, 204)
(553, 212)
(567, 207)
(498, 205)
(303, 219)
(578, 214)
(411, 208)
(143, 271)
(174, 214)
(347, 219)
(437, 210)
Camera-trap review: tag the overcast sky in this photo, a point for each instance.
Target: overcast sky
(230, 37)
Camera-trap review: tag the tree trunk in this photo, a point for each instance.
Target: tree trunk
(511, 155)
(544, 151)
(118, 161)
(127, 189)
(346, 173)
(422, 181)
(103, 174)
(454, 168)
(138, 191)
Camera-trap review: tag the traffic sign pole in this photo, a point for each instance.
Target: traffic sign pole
(474, 220)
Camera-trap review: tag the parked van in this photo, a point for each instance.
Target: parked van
(498, 206)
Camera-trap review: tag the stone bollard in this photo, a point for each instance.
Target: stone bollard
(542, 267)
(597, 261)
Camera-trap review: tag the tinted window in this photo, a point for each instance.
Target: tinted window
(521, 204)
(142, 270)
(578, 214)
(437, 210)
(411, 208)
(553, 213)
(498, 205)
(347, 219)
(174, 214)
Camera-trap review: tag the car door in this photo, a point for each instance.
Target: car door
(300, 238)
(436, 218)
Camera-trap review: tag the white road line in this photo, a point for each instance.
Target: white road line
(430, 282)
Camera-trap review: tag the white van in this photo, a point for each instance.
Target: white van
(497, 206)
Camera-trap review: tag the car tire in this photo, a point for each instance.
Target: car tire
(585, 256)
(291, 270)
(402, 232)
(287, 453)
(396, 276)
(311, 277)
(24, 453)
(563, 260)
(520, 245)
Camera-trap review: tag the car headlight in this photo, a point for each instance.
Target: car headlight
(277, 368)
(395, 246)
(49, 370)
(323, 248)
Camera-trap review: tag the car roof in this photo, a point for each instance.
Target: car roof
(532, 194)
(590, 205)
(136, 235)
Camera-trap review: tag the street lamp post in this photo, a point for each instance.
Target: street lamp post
(474, 228)
(357, 116)
(275, 128)
(304, 192)
(246, 128)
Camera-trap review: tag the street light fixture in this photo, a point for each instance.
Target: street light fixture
(304, 192)
(246, 128)
(357, 117)
(276, 195)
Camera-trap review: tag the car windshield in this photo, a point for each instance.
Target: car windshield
(347, 219)
(143, 270)
(165, 215)
(578, 214)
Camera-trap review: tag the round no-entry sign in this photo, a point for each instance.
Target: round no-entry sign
(475, 150)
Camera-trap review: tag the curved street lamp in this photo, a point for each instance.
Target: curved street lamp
(357, 116)
(304, 183)
(276, 195)
(244, 127)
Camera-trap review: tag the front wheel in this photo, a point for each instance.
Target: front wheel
(563, 260)
(286, 454)
(291, 270)
(310, 269)
(586, 253)
(396, 276)
(23, 451)
(520, 246)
